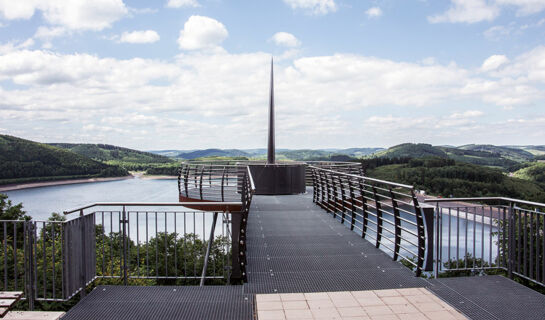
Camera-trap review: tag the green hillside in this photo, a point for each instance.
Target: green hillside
(446, 178)
(24, 160)
(534, 172)
(510, 153)
(127, 158)
(412, 150)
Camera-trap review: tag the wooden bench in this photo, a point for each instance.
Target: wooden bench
(7, 300)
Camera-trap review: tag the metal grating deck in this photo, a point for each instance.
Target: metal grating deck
(490, 297)
(294, 246)
(164, 302)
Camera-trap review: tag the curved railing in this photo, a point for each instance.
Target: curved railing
(386, 212)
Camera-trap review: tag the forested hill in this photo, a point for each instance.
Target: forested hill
(108, 153)
(24, 160)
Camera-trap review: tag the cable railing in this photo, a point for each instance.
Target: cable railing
(479, 234)
(385, 213)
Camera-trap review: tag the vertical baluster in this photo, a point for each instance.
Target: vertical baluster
(531, 264)
(5, 255)
(15, 260)
(457, 237)
(44, 262)
(156, 248)
(379, 217)
(525, 244)
(474, 237)
(53, 225)
(519, 241)
(147, 246)
(352, 203)
(397, 225)
(467, 226)
(449, 232)
(138, 244)
(365, 208)
(176, 246)
(166, 246)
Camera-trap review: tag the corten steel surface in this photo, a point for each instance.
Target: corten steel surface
(278, 179)
(166, 302)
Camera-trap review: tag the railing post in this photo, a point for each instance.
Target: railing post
(379, 217)
(125, 245)
(365, 209)
(425, 235)
(343, 207)
(511, 241)
(397, 226)
(83, 255)
(222, 184)
(352, 204)
(29, 265)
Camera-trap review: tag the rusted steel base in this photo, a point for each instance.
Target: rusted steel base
(214, 208)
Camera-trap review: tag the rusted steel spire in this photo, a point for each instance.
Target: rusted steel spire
(271, 148)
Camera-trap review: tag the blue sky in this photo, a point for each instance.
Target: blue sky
(184, 74)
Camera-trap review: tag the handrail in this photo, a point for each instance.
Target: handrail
(151, 204)
(530, 203)
(366, 178)
(251, 178)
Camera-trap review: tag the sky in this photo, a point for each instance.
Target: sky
(194, 74)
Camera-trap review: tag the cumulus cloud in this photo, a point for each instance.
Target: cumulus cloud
(201, 33)
(228, 94)
(75, 14)
(524, 7)
(467, 11)
(319, 7)
(374, 12)
(183, 3)
(472, 11)
(285, 39)
(494, 62)
(144, 36)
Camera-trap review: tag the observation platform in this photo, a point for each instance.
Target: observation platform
(294, 246)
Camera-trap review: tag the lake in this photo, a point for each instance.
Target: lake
(41, 202)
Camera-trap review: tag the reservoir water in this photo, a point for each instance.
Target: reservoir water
(40, 202)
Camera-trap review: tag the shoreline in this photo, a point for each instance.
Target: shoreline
(30, 185)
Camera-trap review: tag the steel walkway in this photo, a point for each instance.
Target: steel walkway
(295, 246)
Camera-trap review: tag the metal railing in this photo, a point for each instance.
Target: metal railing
(387, 213)
(210, 181)
(346, 167)
(478, 234)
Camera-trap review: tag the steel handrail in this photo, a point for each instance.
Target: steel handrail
(251, 178)
(530, 203)
(151, 204)
(365, 178)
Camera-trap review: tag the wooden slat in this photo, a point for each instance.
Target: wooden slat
(33, 315)
(11, 294)
(7, 303)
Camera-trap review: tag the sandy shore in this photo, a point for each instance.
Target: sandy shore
(20, 186)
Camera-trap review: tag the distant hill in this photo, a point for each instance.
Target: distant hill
(213, 153)
(445, 177)
(510, 153)
(108, 153)
(24, 160)
(412, 150)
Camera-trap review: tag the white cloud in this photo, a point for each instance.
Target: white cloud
(74, 14)
(494, 62)
(497, 32)
(374, 12)
(228, 94)
(524, 7)
(472, 11)
(467, 11)
(319, 7)
(467, 114)
(285, 39)
(183, 3)
(201, 33)
(143, 36)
